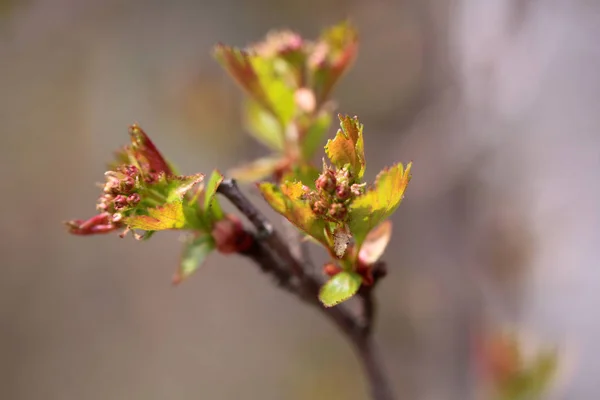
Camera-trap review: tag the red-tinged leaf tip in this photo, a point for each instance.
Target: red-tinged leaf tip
(332, 56)
(146, 153)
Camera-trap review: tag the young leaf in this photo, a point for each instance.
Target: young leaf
(239, 65)
(169, 216)
(296, 210)
(194, 254)
(146, 153)
(314, 135)
(340, 288)
(333, 54)
(370, 209)
(279, 94)
(257, 170)
(264, 126)
(263, 79)
(175, 188)
(375, 243)
(211, 205)
(348, 146)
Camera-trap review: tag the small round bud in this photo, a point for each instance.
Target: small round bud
(342, 192)
(326, 182)
(120, 202)
(117, 217)
(133, 199)
(319, 207)
(127, 184)
(338, 211)
(131, 170)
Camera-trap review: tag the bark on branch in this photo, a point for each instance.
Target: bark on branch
(273, 255)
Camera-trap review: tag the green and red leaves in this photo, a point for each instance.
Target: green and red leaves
(265, 81)
(347, 148)
(333, 54)
(377, 204)
(287, 201)
(339, 288)
(287, 80)
(334, 209)
(169, 216)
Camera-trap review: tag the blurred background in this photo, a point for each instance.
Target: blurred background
(496, 103)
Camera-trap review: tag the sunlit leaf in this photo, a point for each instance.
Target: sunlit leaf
(348, 146)
(293, 190)
(176, 187)
(212, 207)
(194, 254)
(339, 288)
(169, 216)
(377, 204)
(375, 243)
(264, 126)
(297, 211)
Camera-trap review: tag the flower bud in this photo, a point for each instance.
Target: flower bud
(326, 182)
(338, 211)
(133, 199)
(319, 207)
(342, 192)
(120, 202)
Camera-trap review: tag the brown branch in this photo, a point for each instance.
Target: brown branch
(271, 253)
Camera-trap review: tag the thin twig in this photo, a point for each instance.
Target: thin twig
(230, 189)
(273, 256)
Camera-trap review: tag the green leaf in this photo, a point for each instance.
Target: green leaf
(305, 173)
(314, 135)
(287, 202)
(347, 148)
(257, 170)
(377, 204)
(263, 79)
(212, 208)
(176, 187)
(340, 288)
(264, 126)
(279, 94)
(194, 253)
(169, 216)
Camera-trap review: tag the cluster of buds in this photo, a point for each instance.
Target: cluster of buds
(119, 192)
(122, 191)
(119, 195)
(334, 192)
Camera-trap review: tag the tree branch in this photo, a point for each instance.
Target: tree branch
(271, 253)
